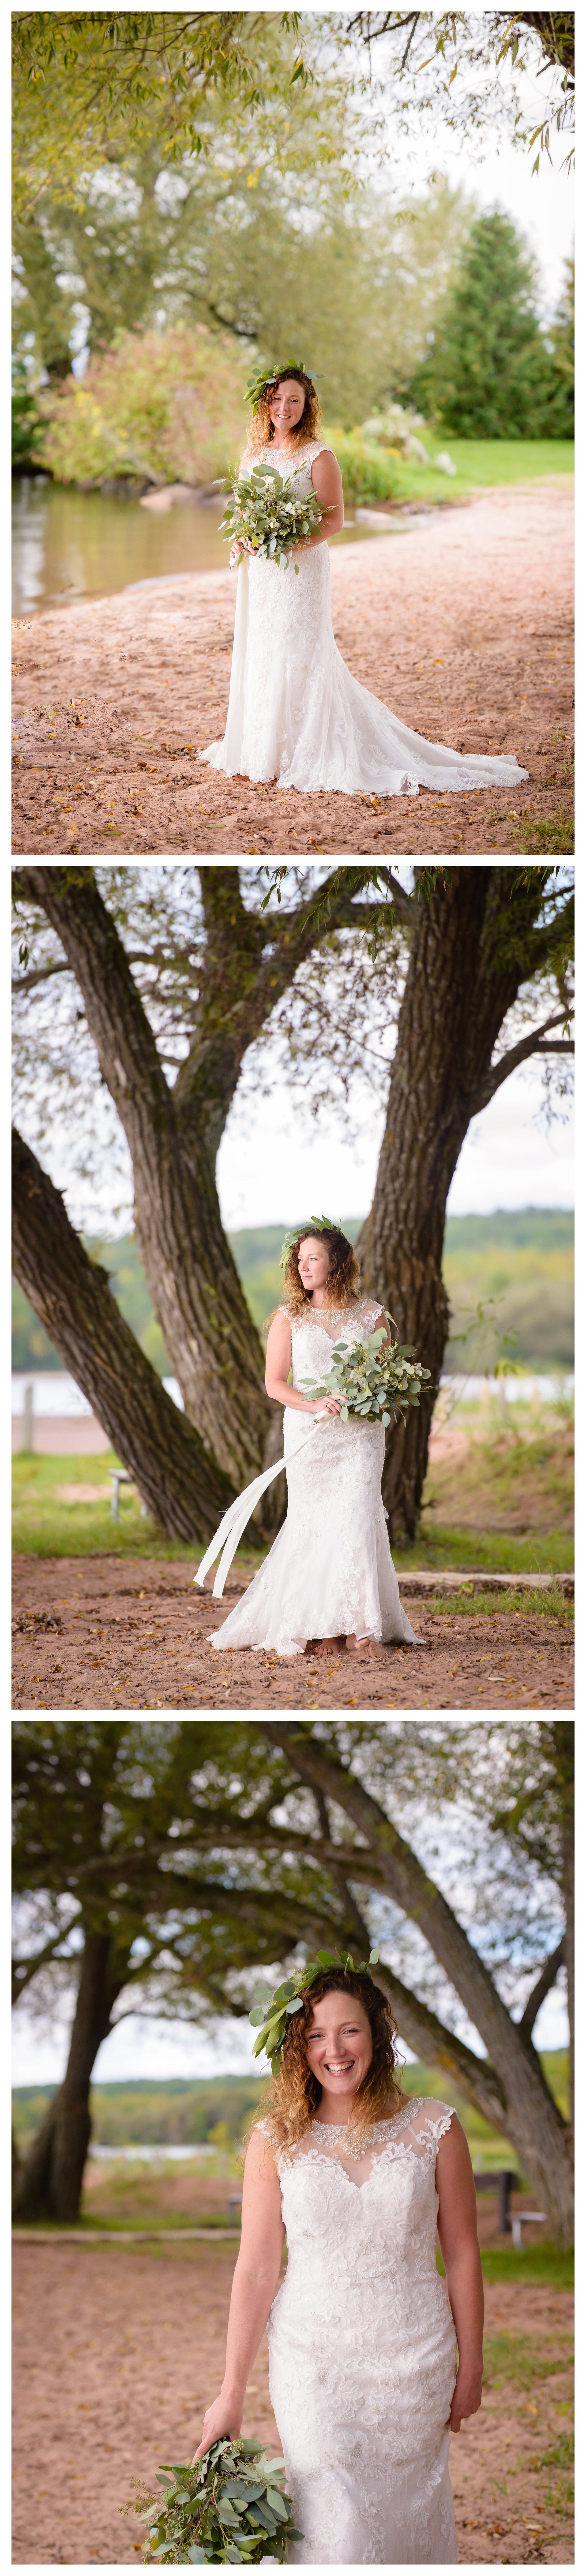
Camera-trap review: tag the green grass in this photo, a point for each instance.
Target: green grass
(549, 836)
(486, 1605)
(494, 1551)
(43, 1525)
(511, 2360)
(480, 464)
(539, 2267)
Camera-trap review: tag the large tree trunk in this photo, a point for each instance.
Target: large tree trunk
(174, 1134)
(182, 1486)
(50, 2179)
(450, 1016)
(530, 2116)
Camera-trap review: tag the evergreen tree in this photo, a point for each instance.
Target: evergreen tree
(489, 370)
(559, 417)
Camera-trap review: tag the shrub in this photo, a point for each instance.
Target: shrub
(369, 471)
(156, 408)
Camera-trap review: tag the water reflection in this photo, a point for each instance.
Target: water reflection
(71, 545)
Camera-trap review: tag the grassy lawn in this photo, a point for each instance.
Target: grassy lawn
(480, 464)
(500, 1502)
(539, 2267)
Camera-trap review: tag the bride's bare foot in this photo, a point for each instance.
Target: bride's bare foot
(362, 1646)
(324, 1646)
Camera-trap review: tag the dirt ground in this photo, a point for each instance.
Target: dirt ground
(136, 1635)
(453, 626)
(140, 2333)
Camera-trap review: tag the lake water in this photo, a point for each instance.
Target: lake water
(71, 545)
(56, 1394)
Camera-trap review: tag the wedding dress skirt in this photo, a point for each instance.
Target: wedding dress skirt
(330, 1572)
(294, 711)
(362, 2349)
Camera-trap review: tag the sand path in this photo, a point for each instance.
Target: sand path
(118, 2350)
(95, 1632)
(462, 627)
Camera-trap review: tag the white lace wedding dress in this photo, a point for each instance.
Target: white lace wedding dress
(362, 2348)
(330, 1572)
(294, 711)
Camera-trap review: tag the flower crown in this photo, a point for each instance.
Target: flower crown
(273, 2011)
(317, 1225)
(257, 385)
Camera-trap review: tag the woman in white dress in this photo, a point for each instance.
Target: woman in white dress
(373, 2358)
(329, 1575)
(295, 714)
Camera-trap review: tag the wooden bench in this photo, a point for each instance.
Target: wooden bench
(119, 1477)
(504, 2182)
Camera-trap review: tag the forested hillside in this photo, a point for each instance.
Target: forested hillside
(517, 1265)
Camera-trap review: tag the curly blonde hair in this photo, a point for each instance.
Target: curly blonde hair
(262, 429)
(343, 1281)
(295, 2093)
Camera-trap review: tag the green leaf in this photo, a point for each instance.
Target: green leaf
(275, 2500)
(283, 1993)
(327, 1959)
(373, 1958)
(256, 2017)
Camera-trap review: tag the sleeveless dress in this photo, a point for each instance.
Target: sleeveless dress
(295, 714)
(362, 2348)
(330, 1572)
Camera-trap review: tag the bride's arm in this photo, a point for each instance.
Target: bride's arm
(327, 482)
(277, 1372)
(253, 2289)
(456, 2227)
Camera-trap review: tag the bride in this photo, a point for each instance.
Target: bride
(295, 714)
(365, 2379)
(330, 1573)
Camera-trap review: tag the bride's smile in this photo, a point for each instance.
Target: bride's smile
(339, 2050)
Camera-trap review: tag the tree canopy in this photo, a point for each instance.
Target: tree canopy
(159, 1866)
(91, 86)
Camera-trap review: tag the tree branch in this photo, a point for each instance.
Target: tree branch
(525, 1047)
(539, 1991)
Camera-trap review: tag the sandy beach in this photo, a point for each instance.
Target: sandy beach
(462, 626)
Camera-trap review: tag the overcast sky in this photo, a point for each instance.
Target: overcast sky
(272, 1171)
(541, 205)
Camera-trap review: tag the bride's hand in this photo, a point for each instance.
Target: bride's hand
(225, 2416)
(329, 1404)
(467, 2396)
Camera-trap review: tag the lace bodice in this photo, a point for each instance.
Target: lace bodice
(362, 2344)
(314, 1332)
(295, 467)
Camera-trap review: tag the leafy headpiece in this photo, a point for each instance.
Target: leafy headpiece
(272, 2012)
(316, 1225)
(257, 385)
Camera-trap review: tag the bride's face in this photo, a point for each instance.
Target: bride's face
(287, 406)
(339, 2047)
(313, 1263)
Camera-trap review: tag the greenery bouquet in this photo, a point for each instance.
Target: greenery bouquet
(229, 2510)
(268, 513)
(376, 1380)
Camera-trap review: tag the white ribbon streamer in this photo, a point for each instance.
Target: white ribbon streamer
(234, 1521)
